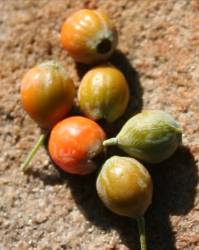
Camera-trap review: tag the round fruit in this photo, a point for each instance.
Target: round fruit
(47, 93)
(74, 142)
(89, 36)
(103, 93)
(151, 136)
(125, 186)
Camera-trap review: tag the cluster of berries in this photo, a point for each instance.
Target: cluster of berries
(48, 94)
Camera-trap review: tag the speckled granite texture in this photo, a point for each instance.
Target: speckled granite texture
(159, 53)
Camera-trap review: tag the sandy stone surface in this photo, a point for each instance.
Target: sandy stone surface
(159, 53)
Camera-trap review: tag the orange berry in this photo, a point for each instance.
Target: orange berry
(74, 142)
(47, 93)
(89, 36)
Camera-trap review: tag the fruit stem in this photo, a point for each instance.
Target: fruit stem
(110, 142)
(39, 142)
(142, 233)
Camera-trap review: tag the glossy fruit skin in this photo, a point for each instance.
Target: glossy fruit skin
(47, 93)
(74, 142)
(103, 93)
(89, 36)
(125, 186)
(151, 136)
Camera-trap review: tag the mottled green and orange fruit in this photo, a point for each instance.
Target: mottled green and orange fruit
(73, 144)
(125, 186)
(89, 36)
(103, 93)
(47, 93)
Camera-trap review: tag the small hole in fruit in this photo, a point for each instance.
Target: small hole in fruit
(104, 46)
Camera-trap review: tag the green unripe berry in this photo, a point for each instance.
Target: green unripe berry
(151, 136)
(103, 93)
(125, 186)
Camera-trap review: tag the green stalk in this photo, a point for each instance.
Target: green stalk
(110, 142)
(24, 166)
(142, 233)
